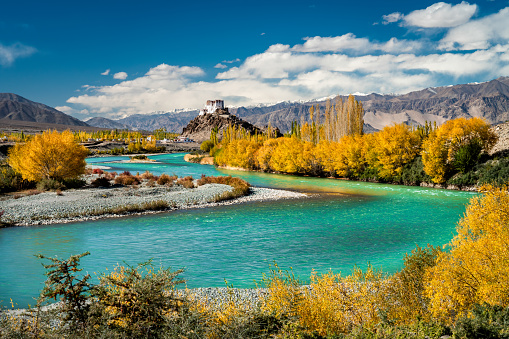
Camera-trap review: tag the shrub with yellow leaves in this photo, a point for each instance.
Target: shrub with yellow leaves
(50, 155)
(138, 301)
(476, 268)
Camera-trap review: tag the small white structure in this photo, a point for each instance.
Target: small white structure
(212, 106)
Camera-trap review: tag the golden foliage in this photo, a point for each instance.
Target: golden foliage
(331, 304)
(443, 143)
(395, 146)
(476, 269)
(50, 155)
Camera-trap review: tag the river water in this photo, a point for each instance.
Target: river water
(341, 224)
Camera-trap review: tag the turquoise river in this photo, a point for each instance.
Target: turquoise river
(341, 224)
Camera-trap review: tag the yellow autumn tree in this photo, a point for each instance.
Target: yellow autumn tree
(396, 146)
(50, 155)
(439, 150)
(476, 268)
(349, 159)
(287, 156)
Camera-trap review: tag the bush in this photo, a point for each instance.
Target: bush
(101, 182)
(165, 179)
(495, 172)
(468, 156)
(147, 175)
(413, 173)
(206, 146)
(137, 301)
(49, 184)
(126, 180)
(74, 183)
(486, 321)
(139, 157)
(64, 284)
(186, 182)
(11, 181)
(50, 155)
(97, 171)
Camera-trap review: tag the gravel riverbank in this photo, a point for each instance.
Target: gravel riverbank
(83, 204)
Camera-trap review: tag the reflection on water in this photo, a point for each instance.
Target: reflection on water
(343, 223)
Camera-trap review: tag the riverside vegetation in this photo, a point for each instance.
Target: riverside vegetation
(332, 144)
(55, 161)
(461, 290)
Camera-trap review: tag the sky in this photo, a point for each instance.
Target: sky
(116, 58)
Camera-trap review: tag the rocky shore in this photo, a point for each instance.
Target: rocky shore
(87, 204)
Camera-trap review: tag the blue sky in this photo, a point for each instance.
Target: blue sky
(116, 58)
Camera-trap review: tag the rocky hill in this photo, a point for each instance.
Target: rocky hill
(15, 107)
(200, 127)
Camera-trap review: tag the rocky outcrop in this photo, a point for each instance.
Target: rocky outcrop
(200, 127)
(502, 145)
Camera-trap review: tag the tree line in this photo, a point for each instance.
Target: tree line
(332, 143)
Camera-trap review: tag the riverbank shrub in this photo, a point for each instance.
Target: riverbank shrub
(11, 181)
(474, 270)
(186, 182)
(165, 179)
(49, 185)
(50, 155)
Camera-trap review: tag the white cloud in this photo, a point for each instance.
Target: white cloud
(231, 61)
(393, 17)
(441, 14)
(120, 76)
(318, 67)
(351, 44)
(334, 44)
(9, 54)
(479, 34)
(106, 72)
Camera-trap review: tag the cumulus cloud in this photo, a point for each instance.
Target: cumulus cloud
(442, 15)
(349, 43)
(393, 17)
(120, 76)
(9, 54)
(106, 72)
(479, 34)
(318, 67)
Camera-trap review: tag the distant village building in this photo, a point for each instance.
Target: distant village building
(213, 106)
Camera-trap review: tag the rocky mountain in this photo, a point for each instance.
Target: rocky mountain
(173, 122)
(200, 127)
(106, 123)
(15, 107)
(489, 100)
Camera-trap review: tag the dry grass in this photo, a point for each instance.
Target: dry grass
(186, 182)
(165, 179)
(126, 180)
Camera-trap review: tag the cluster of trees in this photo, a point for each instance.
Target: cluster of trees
(115, 134)
(334, 145)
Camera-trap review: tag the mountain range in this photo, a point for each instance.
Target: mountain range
(488, 100)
